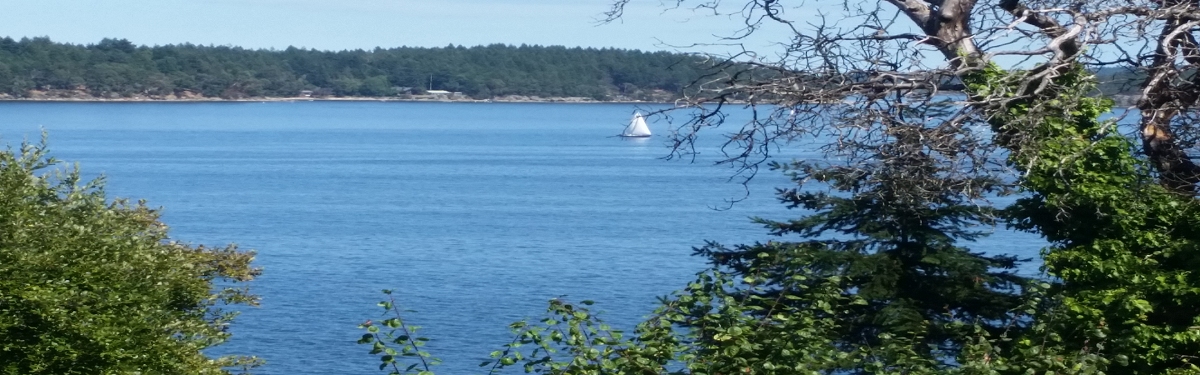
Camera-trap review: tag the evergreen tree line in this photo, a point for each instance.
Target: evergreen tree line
(118, 68)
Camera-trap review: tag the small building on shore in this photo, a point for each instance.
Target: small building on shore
(440, 95)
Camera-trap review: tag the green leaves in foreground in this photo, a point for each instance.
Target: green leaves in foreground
(1124, 249)
(92, 286)
(392, 333)
(571, 339)
(719, 324)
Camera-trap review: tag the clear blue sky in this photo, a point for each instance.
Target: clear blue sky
(351, 24)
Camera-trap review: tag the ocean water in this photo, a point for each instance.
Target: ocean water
(475, 214)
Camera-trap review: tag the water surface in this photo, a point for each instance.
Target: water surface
(476, 214)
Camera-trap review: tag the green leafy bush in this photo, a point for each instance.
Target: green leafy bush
(93, 286)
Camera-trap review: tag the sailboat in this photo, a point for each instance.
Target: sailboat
(637, 127)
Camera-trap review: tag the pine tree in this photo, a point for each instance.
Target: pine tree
(890, 230)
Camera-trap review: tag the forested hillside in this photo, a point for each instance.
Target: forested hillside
(116, 68)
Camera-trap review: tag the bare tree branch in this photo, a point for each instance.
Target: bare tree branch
(859, 82)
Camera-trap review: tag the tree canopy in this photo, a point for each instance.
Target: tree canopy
(117, 68)
(93, 286)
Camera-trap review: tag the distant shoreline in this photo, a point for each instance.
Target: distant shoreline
(82, 96)
(1120, 100)
(317, 100)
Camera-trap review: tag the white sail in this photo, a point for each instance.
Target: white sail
(637, 127)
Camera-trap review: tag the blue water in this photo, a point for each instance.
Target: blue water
(476, 214)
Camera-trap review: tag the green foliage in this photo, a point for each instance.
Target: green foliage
(890, 242)
(118, 68)
(1123, 248)
(391, 333)
(571, 339)
(887, 231)
(93, 286)
(719, 325)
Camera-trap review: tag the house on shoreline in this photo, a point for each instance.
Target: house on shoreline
(441, 95)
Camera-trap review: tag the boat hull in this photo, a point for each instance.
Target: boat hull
(634, 136)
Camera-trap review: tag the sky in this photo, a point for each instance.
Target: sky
(366, 24)
(648, 25)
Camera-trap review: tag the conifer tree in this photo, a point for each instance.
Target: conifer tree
(893, 232)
